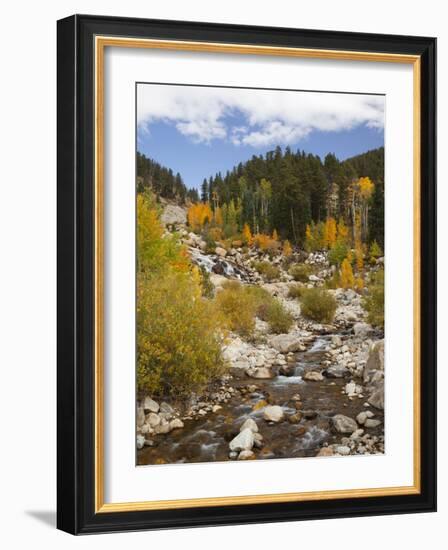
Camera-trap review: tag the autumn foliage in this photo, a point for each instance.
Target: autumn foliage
(199, 215)
(179, 332)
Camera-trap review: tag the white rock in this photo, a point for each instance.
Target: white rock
(153, 419)
(176, 423)
(285, 343)
(140, 441)
(174, 214)
(222, 252)
(163, 427)
(251, 424)
(140, 416)
(313, 376)
(149, 405)
(336, 340)
(343, 450)
(372, 423)
(361, 417)
(273, 413)
(377, 399)
(166, 408)
(263, 373)
(146, 429)
(244, 441)
(362, 329)
(344, 424)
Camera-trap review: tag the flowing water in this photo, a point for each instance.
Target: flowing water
(207, 439)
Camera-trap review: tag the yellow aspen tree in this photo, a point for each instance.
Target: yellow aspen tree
(359, 255)
(287, 249)
(342, 231)
(374, 252)
(359, 283)
(247, 235)
(275, 235)
(309, 239)
(330, 232)
(347, 279)
(366, 187)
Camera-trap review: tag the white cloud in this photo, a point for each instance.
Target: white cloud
(270, 117)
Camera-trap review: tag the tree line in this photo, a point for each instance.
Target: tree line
(285, 191)
(162, 181)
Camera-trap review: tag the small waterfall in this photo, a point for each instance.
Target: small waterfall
(215, 264)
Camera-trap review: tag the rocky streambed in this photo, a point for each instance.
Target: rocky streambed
(301, 410)
(316, 391)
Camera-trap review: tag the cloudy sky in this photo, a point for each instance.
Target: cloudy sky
(199, 131)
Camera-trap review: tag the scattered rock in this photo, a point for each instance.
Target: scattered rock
(173, 215)
(284, 343)
(376, 399)
(163, 428)
(166, 408)
(375, 361)
(250, 424)
(140, 417)
(176, 423)
(258, 440)
(244, 441)
(295, 418)
(149, 405)
(273, 413)
(343, 450)
(262, 373)
(153, 419)
(344, 424)
(222, 252)
(362, 330)
(363, 416)
(140, 441)
(336, 341)
(325, 451)
(372, 423)
(313, 376)
(336, 371)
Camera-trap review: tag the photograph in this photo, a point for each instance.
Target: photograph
(260, 274)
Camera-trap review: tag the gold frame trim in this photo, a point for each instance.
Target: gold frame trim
(101, 42)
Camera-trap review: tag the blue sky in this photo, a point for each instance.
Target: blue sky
(199, 131)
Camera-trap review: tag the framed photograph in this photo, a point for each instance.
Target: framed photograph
(246, 274)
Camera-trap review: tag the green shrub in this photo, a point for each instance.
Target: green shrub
(210, 244)
(318, 305)
(267, 270)
(179, 333)
(374, 302)
(259, 295)
(239, 308)
(338, 253)
(300, 272)
(295, 291)
(334, 281)
(208, 290)
(179, 336)
(278, 318)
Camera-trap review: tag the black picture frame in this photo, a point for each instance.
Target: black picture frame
(76, 270)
